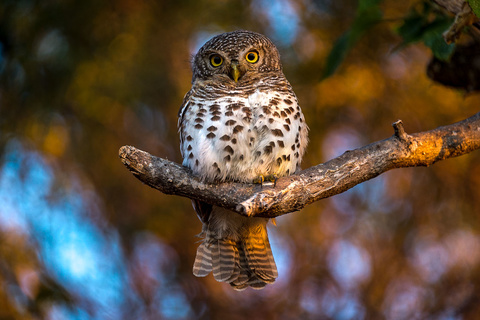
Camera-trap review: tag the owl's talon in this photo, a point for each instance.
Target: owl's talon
(269, 177)
(272, 178)
(259, 180)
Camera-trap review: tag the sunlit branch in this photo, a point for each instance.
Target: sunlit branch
(322, 181)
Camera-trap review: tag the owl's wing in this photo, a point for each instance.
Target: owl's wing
(181, 115)
(184, 107)
(203, 209)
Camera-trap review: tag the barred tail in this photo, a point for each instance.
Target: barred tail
(219, 256)
(246, 262)
(257, 266)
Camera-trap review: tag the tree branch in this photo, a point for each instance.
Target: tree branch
(294, 192)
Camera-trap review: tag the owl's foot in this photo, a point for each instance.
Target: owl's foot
(269, 177)
(272, 178)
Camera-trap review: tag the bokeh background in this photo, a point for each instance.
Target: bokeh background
(81, 238)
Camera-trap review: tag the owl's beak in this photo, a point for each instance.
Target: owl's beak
(235, 72)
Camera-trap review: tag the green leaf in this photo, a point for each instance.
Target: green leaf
(367, 15)
(427, 26)
(439, 47)
(412, 28)
(337, 54)
(475, 5)
(433, 38)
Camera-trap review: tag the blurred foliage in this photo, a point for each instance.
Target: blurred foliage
(475, 5)
(80, 238)
(427, 25)
(367, 15)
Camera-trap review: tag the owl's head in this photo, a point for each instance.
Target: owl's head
(235, 56)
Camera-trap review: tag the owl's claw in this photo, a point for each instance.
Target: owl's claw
(269, 177)
(273, 178)
(259, 180)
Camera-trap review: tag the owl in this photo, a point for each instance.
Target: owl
(240, 122)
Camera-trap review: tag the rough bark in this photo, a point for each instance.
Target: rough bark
(322, 181)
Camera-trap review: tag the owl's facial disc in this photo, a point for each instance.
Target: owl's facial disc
(236, 71)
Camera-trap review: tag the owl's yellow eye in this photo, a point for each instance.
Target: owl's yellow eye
(216, 60)
(252, 57)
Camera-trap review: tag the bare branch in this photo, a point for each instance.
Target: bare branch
(322, 181)
(453, 6)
